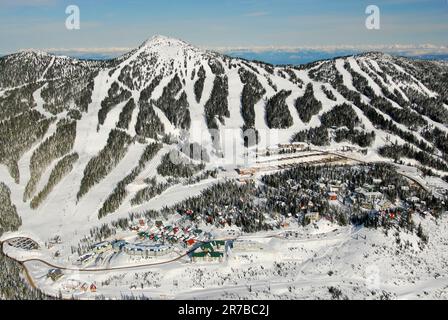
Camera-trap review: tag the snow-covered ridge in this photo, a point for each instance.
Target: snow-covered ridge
(163, 41)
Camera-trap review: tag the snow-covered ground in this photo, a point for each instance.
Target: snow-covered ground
(361, 263)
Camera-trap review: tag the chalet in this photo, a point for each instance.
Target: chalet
(371, 196)
(385, 205)
(284, 224)
(158, 250)
(92, 287)
(134, 250)
(246, 171)
(146, 250)
(311, 217)
(292, 147)
(332, 196)
(207, 256)
(54, 274)
(334, 187)
(85, 287)
(102, 247)
(143, 235)
(377, 181)
(85, 258)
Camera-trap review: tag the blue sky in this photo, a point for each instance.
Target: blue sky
(40, 24)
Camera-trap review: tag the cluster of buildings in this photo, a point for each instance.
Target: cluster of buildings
(56, 274)
(218, 250)
(176, 233)
(133, 249)
(378, 198)
(157, 239)
(373, 199)
(141, 249)
(209, 251)
(292, 147)
(85, 287)
(287, 156)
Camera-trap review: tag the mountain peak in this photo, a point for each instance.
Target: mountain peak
(169, 48)
(163, 41)
(32, 51)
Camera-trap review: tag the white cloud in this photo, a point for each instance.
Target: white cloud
(407, 49)
(413, 49)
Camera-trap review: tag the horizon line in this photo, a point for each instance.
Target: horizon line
(414, 49)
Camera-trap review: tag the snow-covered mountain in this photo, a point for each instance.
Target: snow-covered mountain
(87, 147)
(88, 140)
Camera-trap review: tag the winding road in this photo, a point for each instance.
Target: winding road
(49, 264)
(52, 265)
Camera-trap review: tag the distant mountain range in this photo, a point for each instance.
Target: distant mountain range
(307, 56)
(276, 57)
